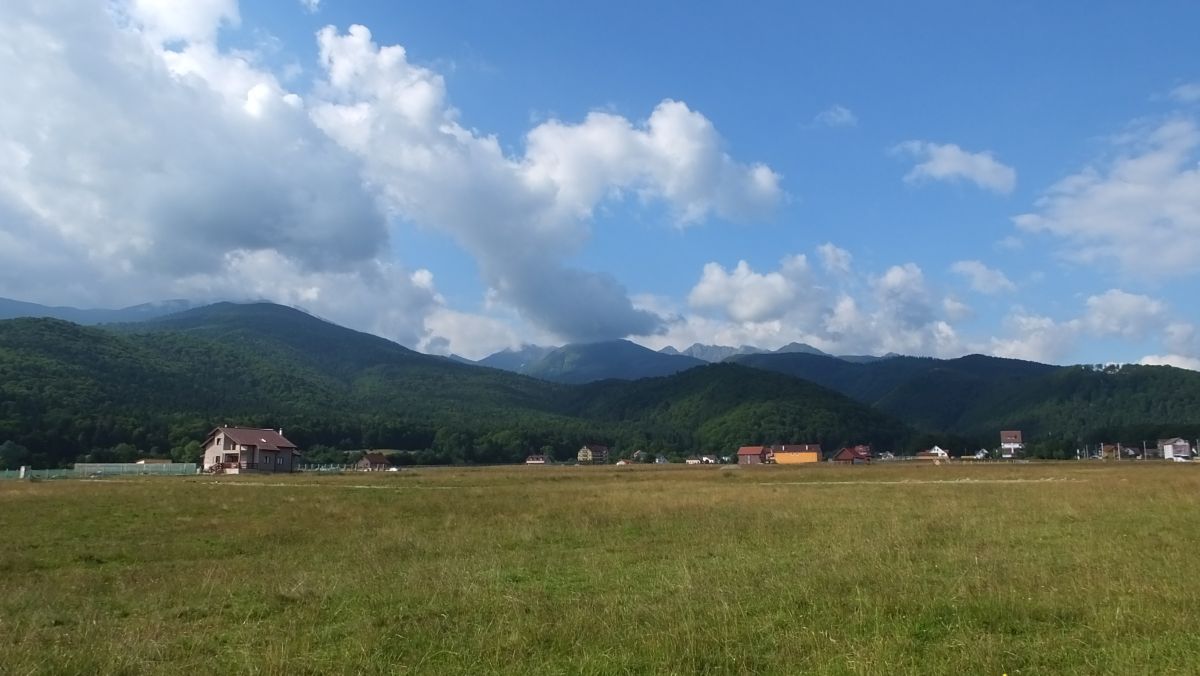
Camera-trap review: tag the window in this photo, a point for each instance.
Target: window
(279, 460)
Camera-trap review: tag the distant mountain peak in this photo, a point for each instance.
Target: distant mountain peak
(11, 309)
(803, 348)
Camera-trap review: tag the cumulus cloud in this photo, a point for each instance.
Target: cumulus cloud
(1119, 313)
(521, 216)
(949, 162)
(748, 296)
(1114, 313)
(835, 259)
(836, 116)
(138, 156)
(896, 311)
(170, 20)
(982, 278)
(143, 164)
(1186, 93)
(1140, 209)
(1176, 360)
(1036, 338)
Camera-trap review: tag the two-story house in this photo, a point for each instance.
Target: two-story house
(233, 450)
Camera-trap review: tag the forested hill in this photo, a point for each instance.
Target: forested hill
(976, 395)
(68, 391)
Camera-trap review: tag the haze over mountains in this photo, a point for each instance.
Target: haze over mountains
(624, 360)
(11, 309)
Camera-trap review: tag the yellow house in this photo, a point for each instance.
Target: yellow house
(796, 454)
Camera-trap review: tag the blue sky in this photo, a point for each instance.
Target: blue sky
(931, 178)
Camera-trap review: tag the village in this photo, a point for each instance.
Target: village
(233, 450)
(245, 450)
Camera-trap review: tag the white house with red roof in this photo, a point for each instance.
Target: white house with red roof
(235, 450)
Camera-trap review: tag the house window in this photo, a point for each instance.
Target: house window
(279, 460)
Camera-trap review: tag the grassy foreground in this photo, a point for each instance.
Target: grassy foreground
(1052, 568)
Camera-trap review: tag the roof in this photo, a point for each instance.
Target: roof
(1164, 442)
(751, 450)
(1010, 437)
(796, 448)
(375, 458)
(596, 448)
(855, 451)
(264, 439)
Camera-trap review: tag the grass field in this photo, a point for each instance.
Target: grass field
(1017, 569)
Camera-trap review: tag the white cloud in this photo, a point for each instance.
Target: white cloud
(955, 309)
(747, 296)
(469, 335)
(1141, 210)
(1187, 93)
(1178, 361)
(1129, 315)
(1036, 338)
(903, 295)
(1114, 313)
(835, 259)
(948, 162)
(982, 278)
(142, 165)
(836, 116)
(136, 153)
(520, 217)
(311, 6)
(193, 21)
(769, 309)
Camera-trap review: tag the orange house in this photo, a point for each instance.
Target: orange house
(796, 454)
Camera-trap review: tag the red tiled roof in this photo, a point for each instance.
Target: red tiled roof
(1010, 437)
(265, 440)
(751, 450)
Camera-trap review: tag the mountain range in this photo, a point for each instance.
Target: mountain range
(623, 360)
(10, 309)
(160, 384)
(67, 389)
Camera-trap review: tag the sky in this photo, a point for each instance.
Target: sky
(1019, 179)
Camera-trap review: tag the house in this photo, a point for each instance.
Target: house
(1175, 449)
(661, 459)
(372, 461)
(623, 462)
(640, 456)
(235, 450)
(752, 455)
(853, 455)
(796, 454)
(593, 454)
(691, 460)
(936, 453)
(1012, 444)
(536, 460)
(709, 460)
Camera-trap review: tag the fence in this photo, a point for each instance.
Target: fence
(86, 470)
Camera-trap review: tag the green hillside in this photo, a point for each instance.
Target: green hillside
(975, 396)
(67, 391)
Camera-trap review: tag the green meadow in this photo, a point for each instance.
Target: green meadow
(998, 569)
